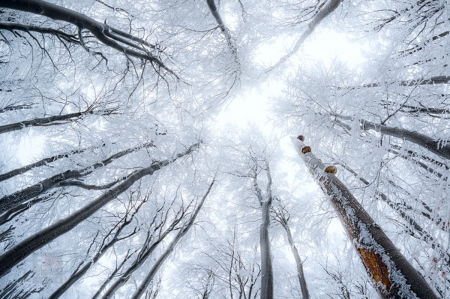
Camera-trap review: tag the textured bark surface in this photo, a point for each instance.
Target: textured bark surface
(379, 255)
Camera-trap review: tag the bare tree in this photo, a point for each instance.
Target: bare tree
(282, 217)
(117, 39)
(19, 252)
(170, 247)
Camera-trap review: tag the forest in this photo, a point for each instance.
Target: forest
(119, 177)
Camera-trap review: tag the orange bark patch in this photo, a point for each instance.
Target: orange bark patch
(306, 149)
(331, 169)
(376, 267)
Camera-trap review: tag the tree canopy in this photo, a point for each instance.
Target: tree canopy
(118, 181)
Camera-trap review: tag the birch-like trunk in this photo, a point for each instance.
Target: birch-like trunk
(391, 274)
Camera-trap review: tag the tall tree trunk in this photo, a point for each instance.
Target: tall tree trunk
(415, 229)
(324, 12)
(214, 11)
(19, 252)
(41, 121)
(266, 258)
(42, 162)
(422, 140)
(105, 247)
(392, 275)
(112, 275)
(144, 284)
(14, 200)
(298, 261)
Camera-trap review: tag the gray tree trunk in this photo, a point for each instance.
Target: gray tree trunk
(422, 140)
(19, 252)
(14, 200)
(144, 284)
(298, 260)
(266, 257)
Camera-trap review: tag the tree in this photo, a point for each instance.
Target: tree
(120, 99)
(379, 255)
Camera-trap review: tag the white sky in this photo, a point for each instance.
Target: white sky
(252, 106)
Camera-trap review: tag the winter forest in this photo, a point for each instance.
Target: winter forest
(119, 177)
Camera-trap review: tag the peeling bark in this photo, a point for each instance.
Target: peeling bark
(392, 275)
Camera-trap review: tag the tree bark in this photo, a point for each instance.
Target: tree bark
(144, 284)
(14, 200)
(19, 252)
(422, 140)
(392, 275)
(266, 258)
(42, 162)
(414, 82)
(108, 35)
(39, 121)
(415, 227)
(318, 18)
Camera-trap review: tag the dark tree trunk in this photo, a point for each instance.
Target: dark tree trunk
(16, 199)
(39, 121)
(42, 162)
(422, 140)
(19, 252)
(144, 284)
(108, 35)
